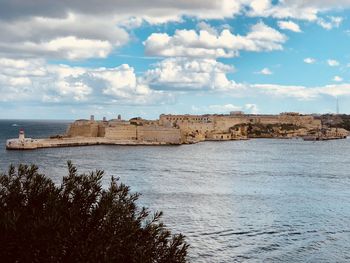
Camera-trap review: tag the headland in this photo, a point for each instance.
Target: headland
(185, 129)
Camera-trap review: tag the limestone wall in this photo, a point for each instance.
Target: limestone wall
(264, 119)
(201, 127)
(83, 129)
(154, 133)
(121, 132)
(301, 120)
(171, 120)
(222, 123)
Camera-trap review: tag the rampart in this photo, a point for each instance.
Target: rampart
(217, 126)
(121, 131)
(83, 128)
(136, 129)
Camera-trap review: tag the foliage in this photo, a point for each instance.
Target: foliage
(79, 221)
(260, 130)
(344, 123)
(289, 127)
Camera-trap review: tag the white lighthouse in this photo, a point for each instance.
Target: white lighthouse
(21, 136)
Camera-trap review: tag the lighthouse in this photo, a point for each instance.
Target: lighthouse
(21, 135)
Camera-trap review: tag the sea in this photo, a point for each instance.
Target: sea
(259, 200)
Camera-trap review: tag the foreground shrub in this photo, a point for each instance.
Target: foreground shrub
(79, 221)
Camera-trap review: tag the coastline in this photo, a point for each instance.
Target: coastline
(183, 129)
(32, 144)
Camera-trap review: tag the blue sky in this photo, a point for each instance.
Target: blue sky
(70, 60)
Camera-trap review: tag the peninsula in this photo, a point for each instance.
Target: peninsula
(184, 129)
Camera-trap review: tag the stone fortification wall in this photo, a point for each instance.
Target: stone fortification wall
(154, 133)
(201, 127)
(193, 125)
(124, 131)
(173, 120)
(263, 119)
(121, 131)
(83, 128)
(183, 128)
(306, 121)
(222, 123)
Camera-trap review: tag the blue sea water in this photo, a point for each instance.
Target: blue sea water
(239, 201)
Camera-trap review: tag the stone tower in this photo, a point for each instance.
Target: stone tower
(21, 136)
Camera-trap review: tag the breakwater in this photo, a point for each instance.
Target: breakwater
(31, 144)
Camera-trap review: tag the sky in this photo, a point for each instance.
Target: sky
(70, 59)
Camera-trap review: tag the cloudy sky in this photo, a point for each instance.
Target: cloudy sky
(69, 59)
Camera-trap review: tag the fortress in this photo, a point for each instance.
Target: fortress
(176, 129)
(179, 129)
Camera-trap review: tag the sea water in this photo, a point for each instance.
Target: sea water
(259, 200)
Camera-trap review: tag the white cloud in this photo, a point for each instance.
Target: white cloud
(335, 90)
(302, 92)
(284, 9)
(333, 63)
(189, 43)
(251, 108)
(289, 25)
(260, 6)
(190, 74)
(297, 92)
(36, 81)
(330, 22)
(309, 60)
(77, 30)
(226, 108)
(109, 85)
(183, 74)
(337, 79)
(298, 9)
(71, 37)
(265, 71)
(203, 26)
(160, 11)
(71, 48)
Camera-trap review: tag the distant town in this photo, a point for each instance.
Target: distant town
(188, 129)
